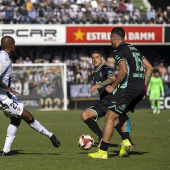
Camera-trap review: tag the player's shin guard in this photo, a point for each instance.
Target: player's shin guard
(11, 132)
(38, 127)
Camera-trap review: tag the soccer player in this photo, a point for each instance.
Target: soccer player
(155, 90)
(11, 107)
(102, 76)
(134, 73)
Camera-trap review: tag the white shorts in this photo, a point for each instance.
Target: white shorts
(11, 107)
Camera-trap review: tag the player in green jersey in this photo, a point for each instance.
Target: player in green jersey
(155, 90)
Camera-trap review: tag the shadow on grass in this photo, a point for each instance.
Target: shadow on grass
(116, 153)
(20, 152)
(110, 145)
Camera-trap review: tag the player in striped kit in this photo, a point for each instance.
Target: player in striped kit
(11, 107)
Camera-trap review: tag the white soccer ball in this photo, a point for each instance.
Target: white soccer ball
(85, 142)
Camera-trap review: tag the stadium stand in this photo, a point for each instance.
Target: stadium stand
(80, 12)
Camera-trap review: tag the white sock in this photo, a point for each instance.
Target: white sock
(11, 132)
(38, 127)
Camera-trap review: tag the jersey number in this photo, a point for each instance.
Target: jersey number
(139, 65)
(14, 105)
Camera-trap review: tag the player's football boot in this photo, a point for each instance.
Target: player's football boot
(158, 112)
(100, 154)
(132, 144)
(154, 110)
(8, 153)
(124, 148)
(54, 141)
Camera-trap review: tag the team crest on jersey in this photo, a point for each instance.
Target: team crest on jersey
(123, 106)
(110, 72)
(18, 109)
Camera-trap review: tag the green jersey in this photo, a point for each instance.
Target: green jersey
(156, 84)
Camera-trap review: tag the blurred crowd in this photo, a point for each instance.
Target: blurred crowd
(80, 12)
(79, 63)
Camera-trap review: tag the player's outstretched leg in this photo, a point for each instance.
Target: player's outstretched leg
(11, 132)
(28, 117)
(88, 117)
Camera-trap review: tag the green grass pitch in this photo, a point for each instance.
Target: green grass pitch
(151, 134)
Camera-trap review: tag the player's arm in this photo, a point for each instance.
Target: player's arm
(120, 77)
(8, 89)
(106, 82)
(149, 86)
(148, 70)
(162, 87)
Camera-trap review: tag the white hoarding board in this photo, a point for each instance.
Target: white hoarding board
(35, 34)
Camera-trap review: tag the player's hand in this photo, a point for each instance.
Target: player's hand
(12, 91)
(163, 94)
(147, 93)
(109, 88)
(95, 87)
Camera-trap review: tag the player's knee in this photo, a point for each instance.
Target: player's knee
(15, 122)
(30, 120)
(27, 116)
(85, 116)
(110, 118)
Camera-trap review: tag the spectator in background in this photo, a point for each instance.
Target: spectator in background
(143, 16)
(151, 15)
(167, 15)
(122, 7)
(33, 15)
(8, 14)
(135, 16)
(159, 16)
(129, 6)
(23, 15)
(41, 15)
(16, 16)
(2, 14)
(27, 60)
(162, 69)
(28, 5)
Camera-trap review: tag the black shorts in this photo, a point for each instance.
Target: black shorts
(100, 108)
(124, 100)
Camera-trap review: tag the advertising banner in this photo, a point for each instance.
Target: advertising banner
(167, 35)
(40, 86)
(82, 92)
(35, 34)
(101, 34)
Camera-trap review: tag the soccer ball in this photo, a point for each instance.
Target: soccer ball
(85, 142)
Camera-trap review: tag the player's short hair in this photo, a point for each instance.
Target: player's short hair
(119, 31)
(97, 52)
(155, 71)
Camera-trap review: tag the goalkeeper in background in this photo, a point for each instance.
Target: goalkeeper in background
(155, 90)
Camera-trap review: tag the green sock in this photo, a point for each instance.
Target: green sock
(153, 103)
(158, 104)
